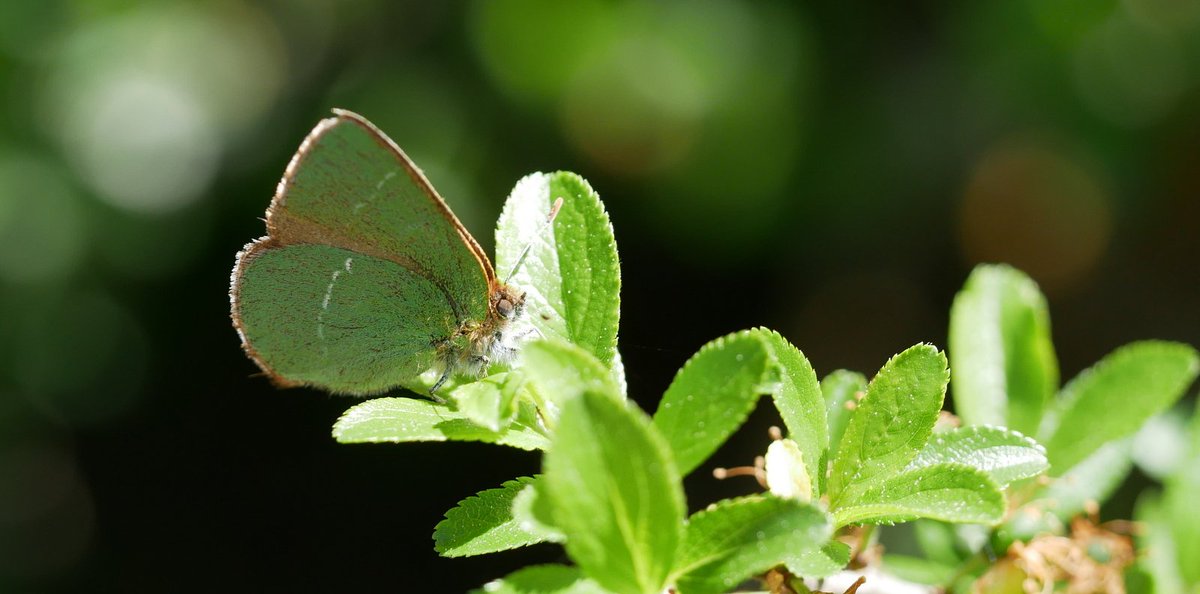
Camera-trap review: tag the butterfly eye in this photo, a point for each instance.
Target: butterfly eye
(505, 308)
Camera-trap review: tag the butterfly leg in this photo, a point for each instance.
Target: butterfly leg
(448, 355)
(441, 380)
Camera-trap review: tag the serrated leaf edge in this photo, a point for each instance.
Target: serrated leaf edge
(521, 481)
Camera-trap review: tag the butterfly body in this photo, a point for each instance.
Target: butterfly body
(366, 279)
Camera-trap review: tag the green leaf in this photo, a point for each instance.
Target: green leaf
(819, 563)
(559, 371)
(543, 579)
(398, 420)
(571, 277)
(939, 542)
(713, 394)
(1162, 445)
(947, 492)
(1157, 543)
(615, 493)
(1113, 398)
(800, 403)
(892, 422)
(1005, 371)
(737, 538)
(1094, 479)
(533, 514)
(1180, 494)
(1004, 455)
(918, 570)
(1194, 429)
(485, 523)
(840, 390)
(618, 374)
(490, 402)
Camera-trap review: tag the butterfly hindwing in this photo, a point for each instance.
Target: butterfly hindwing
(336, 319)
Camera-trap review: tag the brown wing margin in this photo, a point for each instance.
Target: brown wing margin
(419, 178)
(244, 257)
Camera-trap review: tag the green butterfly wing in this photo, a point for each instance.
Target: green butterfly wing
(329, 317)
(364, 271)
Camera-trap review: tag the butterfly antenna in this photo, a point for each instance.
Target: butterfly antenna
(558, 202)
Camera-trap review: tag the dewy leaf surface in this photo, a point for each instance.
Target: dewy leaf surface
(741, 537)
(800, 403)
(1116, 396)
(1004, 455)
(572, 277)
(947, 492)
(398, 420)
(1005, 370)
(615, 493)
(543, 579)
(839, 389)
(712, 395)
(484, 523)
(892, 422)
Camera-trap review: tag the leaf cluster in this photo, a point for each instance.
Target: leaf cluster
(855, 453)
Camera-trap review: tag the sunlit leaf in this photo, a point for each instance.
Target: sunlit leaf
(1113, 398)
(484, 523)
(712, 395)
(1004, 455)
(841, 390)
(1005, 370)
(398, 420)
(543, 579)
(571, 276)
(559, 371)
(892, 422)
(615, 493)
(947, 492)
(800, 404)
(737, 538)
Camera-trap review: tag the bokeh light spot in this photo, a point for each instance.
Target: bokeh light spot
(1171, 15)
(145, 102)
(532, 48)
(1129, 74)
(146, 146)
(1038, 210)
(42, 232)
(634, 112)
(1066, 21)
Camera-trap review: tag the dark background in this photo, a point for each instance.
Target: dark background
(828, 171)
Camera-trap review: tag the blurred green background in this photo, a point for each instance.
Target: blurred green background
(829, 170)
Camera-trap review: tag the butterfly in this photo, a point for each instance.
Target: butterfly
(366, 279)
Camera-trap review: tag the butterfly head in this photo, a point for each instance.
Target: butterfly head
(508, 303)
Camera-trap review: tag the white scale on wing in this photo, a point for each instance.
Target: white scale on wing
(373, 196)
(328, 295)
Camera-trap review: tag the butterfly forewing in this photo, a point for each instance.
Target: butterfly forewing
(350, 186)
